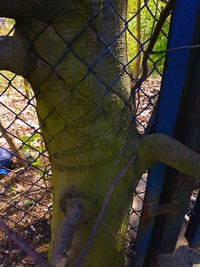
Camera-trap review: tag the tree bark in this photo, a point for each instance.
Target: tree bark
(85, 123)
(13, 54)
(82, 93)
(19, 8)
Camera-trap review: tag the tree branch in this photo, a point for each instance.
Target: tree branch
(21, 159)
(163, 16)
(19, 8)
(14, 55)
(162, 148)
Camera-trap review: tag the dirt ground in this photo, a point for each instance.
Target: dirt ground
(184, 256)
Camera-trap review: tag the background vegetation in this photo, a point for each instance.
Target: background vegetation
(142, 18)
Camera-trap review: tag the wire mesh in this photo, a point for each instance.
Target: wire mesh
(25, 194)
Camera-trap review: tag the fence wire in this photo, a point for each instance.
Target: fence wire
(25, 193)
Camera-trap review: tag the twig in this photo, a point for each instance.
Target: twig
(99, 219)
(24, 245)
(175, 49)
(15, 151)
(6, 204)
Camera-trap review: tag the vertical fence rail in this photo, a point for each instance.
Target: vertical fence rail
(152, 237)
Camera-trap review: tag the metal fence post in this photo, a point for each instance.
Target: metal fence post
(182, 30)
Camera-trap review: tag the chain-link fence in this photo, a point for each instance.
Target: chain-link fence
(25, 192)
(25, 197)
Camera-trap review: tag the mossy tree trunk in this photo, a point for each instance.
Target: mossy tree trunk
(86, 121)
(86, 125)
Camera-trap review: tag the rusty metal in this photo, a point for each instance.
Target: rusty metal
(155, 209)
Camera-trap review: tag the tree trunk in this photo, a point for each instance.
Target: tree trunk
(86, 122)
(76, 67)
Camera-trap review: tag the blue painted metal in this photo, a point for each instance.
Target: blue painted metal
(188, 132)
(181, 34)
(180, 192)
(192, 130)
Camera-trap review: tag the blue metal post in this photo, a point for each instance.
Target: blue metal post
(181, 34)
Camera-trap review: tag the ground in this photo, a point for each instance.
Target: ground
(25, 195)
(184, 256)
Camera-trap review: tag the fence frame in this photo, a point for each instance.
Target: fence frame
(152, 237)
